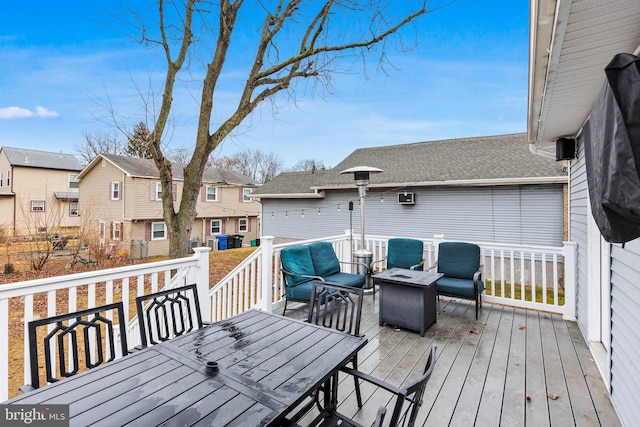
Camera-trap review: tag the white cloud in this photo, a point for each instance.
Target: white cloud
(11, 113)
(43, 112)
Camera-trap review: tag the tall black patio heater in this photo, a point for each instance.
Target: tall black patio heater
(361, 176)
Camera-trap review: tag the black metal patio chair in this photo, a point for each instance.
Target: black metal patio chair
(166, 314)
(338, 307)
(75, 342)
(402, 415)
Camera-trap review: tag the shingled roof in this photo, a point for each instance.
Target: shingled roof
(146, 168)
(487, 160)
(292, 184)
(41, 159)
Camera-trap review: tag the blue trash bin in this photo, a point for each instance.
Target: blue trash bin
(222, 241)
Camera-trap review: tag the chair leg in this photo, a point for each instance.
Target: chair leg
(285, 306)
(357, 383)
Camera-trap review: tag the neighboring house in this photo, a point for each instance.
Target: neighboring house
(571, 43)
(481, 189)
(38, 192)
(123, 196)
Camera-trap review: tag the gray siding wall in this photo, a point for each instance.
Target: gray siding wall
(487, 214)
(625, 330)
(579, 212)
(625, 298)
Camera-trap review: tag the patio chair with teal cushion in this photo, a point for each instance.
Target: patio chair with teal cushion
(459, 262)
(302, 264)
(404, 253)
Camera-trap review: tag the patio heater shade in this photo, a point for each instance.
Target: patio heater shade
(612, 151)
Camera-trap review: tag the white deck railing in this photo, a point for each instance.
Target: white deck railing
(535, 277)
(48, 297)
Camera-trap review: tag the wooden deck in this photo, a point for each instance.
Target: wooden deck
(511, 367)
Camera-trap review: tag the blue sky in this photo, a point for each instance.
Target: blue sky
(62, 62)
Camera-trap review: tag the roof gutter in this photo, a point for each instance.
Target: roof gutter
(316, 195)
(462, 182)
(543, 58)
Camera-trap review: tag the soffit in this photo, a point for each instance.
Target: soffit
(586, 35)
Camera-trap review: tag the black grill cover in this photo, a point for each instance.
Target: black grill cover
(611, 140)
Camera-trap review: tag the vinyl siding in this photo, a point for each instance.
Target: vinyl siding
(625, 330)
(41, 184)
(95, 200)
(486, 214)
(579, 213)
(625, 298)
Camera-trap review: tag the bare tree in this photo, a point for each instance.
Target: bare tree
(255, 164)
(308, 165)
(270, 167)
(98, 142)
(298, 41)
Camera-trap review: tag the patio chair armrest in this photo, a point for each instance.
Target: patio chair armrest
(420, 264)
(477, 276)
(372, 267)
(373, 380)
(24, 389)
(382, 411)
(379, 260)
(431, 267)
(302, 275)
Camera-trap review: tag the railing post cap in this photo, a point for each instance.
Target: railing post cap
(202, 249)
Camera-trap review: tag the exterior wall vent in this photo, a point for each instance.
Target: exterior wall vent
(407, 198)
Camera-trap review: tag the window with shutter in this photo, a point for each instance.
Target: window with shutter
(115, 190)
(211, 194)
(246, 192)
(215, 226)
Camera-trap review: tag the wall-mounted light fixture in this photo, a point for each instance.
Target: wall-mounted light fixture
(565, 149)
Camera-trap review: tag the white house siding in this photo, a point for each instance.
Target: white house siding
(487, 214)
(579, 213)
(625, 330)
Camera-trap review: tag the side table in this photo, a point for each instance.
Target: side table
(407, 298)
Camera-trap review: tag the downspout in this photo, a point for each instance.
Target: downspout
(124, 177)
(14, 202)
(204, 230)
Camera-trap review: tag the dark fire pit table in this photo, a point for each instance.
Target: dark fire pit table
(407, 298)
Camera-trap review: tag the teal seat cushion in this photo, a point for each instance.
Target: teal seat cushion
(297, 260)
(346, 279)
(404, 253)
(325, 261)
(458, 260)
(300, 292)
(458, 287)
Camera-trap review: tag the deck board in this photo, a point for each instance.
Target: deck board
(559, 406)
(485, 369)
